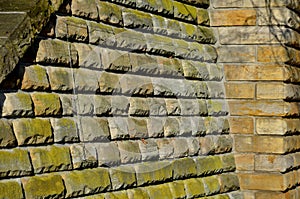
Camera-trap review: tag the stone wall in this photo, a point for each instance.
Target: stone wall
(259, 46)
(119, 99)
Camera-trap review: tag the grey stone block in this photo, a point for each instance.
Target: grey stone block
(171, 127)
(139, 106)
(156, 126)
(149, 150)
(108, 154)
(129, 152)
(102, 105)
(16, 104)
(137, 127)
(65, 129)
(101, 34)
(113, 60)
(88, 55)
(157, 107)
(136, 85)
(82, 83)
(118, 127)
(181, 148)
(130, 40)
(94, 129)
(165, 148)
(83, 156)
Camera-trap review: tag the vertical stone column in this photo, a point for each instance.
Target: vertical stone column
(259, 47)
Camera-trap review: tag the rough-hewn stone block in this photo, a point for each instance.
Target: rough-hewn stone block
(122, 177)
(32, 131)
(208, 165)
(83, 156)
(129, 152)
(171, 127)
(177, 189)
(46, 186)
(113, 60)
(35, 78)
(159, 45)
(61, 79)
(144, 64)
(276, 126)
(72, 28)
(149, 150)
(155, 191)
(165, 148)
(64, 130)
(11, 189)
(184, 11)
(110, 13)
(139, 107)
(194, 187)
(130, 40)
(118, 128)
(7, 137)
(137, 128)
(240, 90)
(101, 34)
(137, 20)
(184, 168)
(155, 127)
(137, 193)
(84, 104)
(46, 104)
(15, 163)
(89, 84)
(89, 181)
(240, 17)
(211, 185)
(94, 129)
(85, 9)
(229, 182)
(89, 56)
(108, 154)
(181, 148)
(276, 163)
(16, 104)
(109, 83)
(50, 158)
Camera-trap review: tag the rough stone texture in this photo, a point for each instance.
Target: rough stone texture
(11, 189)
(50, 158)
(7, 137)
(83, 156)
(60, 79)
(46, 104)
(108, 154)
(35, 78)
(47, 186)
(32, 131)
(18, 104)
(94, 129)
(122, 177)
(129, 152)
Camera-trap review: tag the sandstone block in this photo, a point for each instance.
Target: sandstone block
(139, 107)
(102, 105)
(181, 148)
(11, 189)
(194, 187)
(136, 85)
(64, 130)
(88, 181)
(149, 150)
(32, 131)
(85, 9)
(171, 127)
(113, 60)
(165, 148)
(151, 172)
(46, 186)
(228, 161)
(129, 151)
(155, 127)
(194, 146)
(72, 28)
(153, 6)
(169, 67)
(276, 126)
(202, 17)
(118, 128)
(170, 88)
(217, 107)
(192, 107)
(67, 104)
(208, 165)
(94, 129)
(198, 126)
(159, 45)
(61, 79)
(241, 125)
(119, 105)
(183, 168)
(35, 78)
(200, 3)
(108, 154)
(130, 40)
(240, 54)
(244, 162)
(46, 104)
(193, 69)
(185, 124)
(116, 194)
(15, 163)
(184, 11)
(110, 13)
(159, 24)
(122, 177)
(229, 182)
(16, 104)
(56, 52)
(202, 52)
(174, 29)
(109, 83)
(240, 17)
(277, 91)
(211, 185)
(240, 90)
(173, 107)
(135, 19)
(155, 191)
(182, 49)
(7, 137)
(143, 64)
(82, 83)
(276, 163)
(177, 189)
(83, 156)
(101, 34)
(89, 56)
(137, 193)
(84, 104)
(137, 127)
(50, 158)
(157, 107)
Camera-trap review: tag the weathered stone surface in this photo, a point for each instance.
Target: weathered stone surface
(216, 90)
(65, 130)
(151, 172)
(155, 127)
(94, 129)
(181, 48)
(71, 28)
(32, 131)
(11, 189)
(229, 182)
(118, 128)
(181, 148)
(83, 156)
(61, 79)
(144, 64)
(149, 150)
(56, 52)
(155, 191)
(109, 83)
(116, 195)
(153, 6)
(86, 9)
(108, 154)
(7, 137)
(211, 185)
(46, 104)
(169, 67)
(136, 85)
(159, 45)
(238, 17)
(228, 162)
(84, 104)
(89, 56)
(184, 168)
(16, 104)
(194, 146)
(101, 34)
(15, 163)
(165, 148)
(122, 177)
(159, 24)
(119, 105)
(185, 124)
(137, 128)
(239, 54)
(173, 107)
(177, 189)
(217, 107)
(197, 70)
(208, 165)
(198, 126)
(202, 17)
(174, 29)
(194, 187)
(139, 106)
(171, 127)
(68, 104)
(202, 52)
(137, 193)
(137, 20)
(88, 181)
(170, 88)
(184, 11)
(130, 40)
(110, 13)
(129, 152)
(50, 158)
(102, 105)
(113, 60)
(46, 186)
(190, 107)
(157, 107)
(35, 78)
(82, 83)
